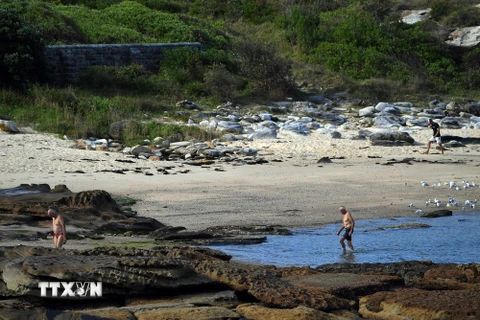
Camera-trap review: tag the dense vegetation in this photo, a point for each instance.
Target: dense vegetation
(255, 50)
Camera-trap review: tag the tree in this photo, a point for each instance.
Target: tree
(22, 59)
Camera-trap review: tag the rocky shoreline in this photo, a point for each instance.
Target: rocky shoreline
(172, 282)
(168, 278)
(194, 193)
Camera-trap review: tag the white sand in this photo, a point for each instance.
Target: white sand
(298, 192)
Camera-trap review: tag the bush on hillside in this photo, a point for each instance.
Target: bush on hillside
(269, 73)
(471, 64)
(221, 83)
(22, 59)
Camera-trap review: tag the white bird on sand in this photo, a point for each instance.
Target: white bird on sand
(458, 188)
(411, 205)
(427, 203)
(424, 184)
(467, 202)
(452, 185)
(419, 211)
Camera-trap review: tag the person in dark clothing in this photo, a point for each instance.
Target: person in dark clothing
(436, 135)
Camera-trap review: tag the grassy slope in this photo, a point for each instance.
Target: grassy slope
(106, 96)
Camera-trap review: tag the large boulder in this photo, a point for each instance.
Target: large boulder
(437, 213)
(421, 304)
(118, 129)
(9, 126)
(390, 138)
(90, 210)
(465, 37)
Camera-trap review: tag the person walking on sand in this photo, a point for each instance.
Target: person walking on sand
(58, 228)
(436, 135)
(348, 225)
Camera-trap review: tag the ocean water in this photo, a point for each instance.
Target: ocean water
(454, 239)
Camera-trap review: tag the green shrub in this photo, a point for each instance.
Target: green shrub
(220, 83)
(132, 79)
(471, 66)
(22, 59)
(464, 17)
(375, 90)
(268, 72)
(92, 4)
(138, 131)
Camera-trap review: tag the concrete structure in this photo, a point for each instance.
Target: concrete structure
(69, 61)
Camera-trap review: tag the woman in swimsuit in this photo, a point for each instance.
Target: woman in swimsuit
(58, 226)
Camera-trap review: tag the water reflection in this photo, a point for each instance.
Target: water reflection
(347, 257)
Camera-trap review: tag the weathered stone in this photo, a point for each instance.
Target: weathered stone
(464, 37)
(187, 312)
(392, 137)
(269, 289)
(421, 304)
(346, 285)
(437, 213)
(85, 209)
(255, 311)
(9, 126)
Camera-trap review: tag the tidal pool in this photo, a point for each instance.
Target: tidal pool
(454, 239)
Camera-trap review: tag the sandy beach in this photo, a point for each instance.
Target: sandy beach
(294, 190)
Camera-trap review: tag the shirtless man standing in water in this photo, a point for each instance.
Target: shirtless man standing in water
(348, 225)
(58, 225)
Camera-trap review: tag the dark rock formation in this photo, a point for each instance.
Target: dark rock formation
(183, 282)
(390, 138)
(93, 210)
(437, 213)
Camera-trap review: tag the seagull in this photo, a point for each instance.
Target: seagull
(458, 188)
(467, 202)
(419, 211)
(405, 184)
(427, 203)
(452, 185)
(424, 184)
(411, 205)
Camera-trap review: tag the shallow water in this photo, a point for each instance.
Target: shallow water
(454, 239)
(17, 192)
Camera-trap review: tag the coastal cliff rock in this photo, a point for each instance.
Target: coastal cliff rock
(92, 209)
(197, 283)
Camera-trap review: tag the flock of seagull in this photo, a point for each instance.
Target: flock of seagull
(452, 202)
